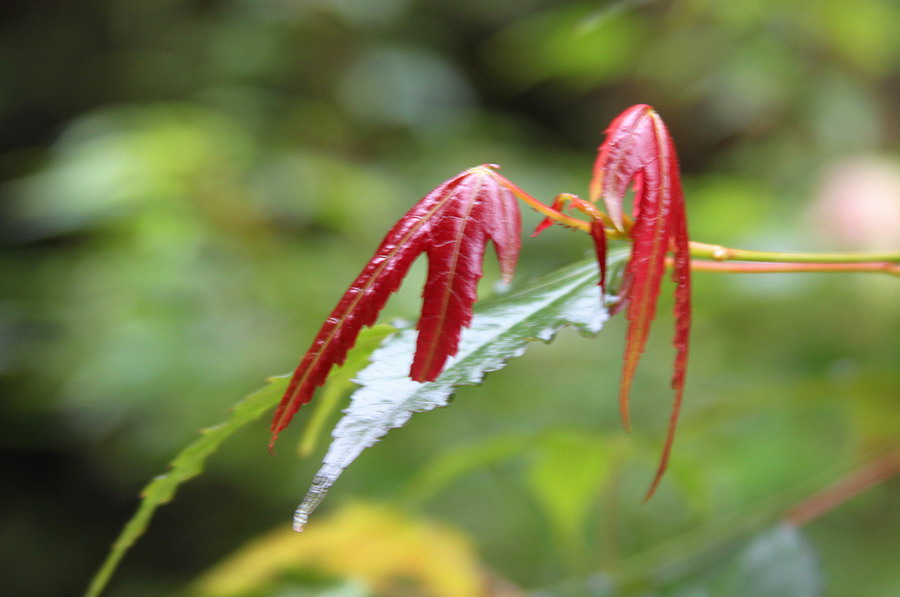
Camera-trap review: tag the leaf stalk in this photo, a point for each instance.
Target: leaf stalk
(713, 257)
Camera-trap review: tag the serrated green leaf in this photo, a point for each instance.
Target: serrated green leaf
(190, 462)
(339, 383)
(186, 465)
(500, 331)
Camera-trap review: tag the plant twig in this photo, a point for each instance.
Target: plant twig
(754, 261)
(843, 490)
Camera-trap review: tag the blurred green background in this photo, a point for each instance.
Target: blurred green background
(189, 186)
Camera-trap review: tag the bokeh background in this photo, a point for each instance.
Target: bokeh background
(189, 186)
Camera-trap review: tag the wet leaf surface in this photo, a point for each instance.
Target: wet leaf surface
(500, 330)
(452, 225)
(639, 152)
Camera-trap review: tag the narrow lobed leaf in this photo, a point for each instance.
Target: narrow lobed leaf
(187, 464)
(191, 460)
(636, 147)
(681, 273)
(452, 225)
(639, 151)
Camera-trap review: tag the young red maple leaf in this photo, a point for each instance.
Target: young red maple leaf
(452, 224)
(638, 151)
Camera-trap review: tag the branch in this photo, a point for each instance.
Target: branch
(720, 253)
(870, 474)
(755, 261)
(700, 265)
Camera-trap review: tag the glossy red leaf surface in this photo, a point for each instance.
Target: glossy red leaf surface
(452, 225)
(598, 234)
(638, 152)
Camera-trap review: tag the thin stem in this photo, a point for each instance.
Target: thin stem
(877, 471)
(791, 262)
(720, 253)
(700, 265)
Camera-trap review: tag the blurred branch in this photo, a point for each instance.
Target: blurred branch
(720, 253)
(867, 476)
(759, 261)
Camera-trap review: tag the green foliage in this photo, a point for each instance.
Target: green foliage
(187, 464)
(500, 331)
(340, 382)
(190, 461)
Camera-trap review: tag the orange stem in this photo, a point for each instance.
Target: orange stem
(700, 265)
(867, 476)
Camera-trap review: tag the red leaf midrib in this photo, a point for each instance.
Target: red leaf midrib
(372, 278)
(445, 300)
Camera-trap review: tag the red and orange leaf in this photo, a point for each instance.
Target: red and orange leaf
(636, 147)
(483, 210)
(681, 273)
(452, 225)
(639, 151)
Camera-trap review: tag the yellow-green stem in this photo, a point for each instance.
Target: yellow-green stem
(792, 262)
(757, 267)
(720, 253)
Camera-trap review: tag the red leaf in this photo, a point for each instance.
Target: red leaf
(452, 224)
(639, 151)
(598, 234)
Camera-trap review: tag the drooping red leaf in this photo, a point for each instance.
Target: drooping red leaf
(621, 158)
(638, 151)
(681, 273)
(452, 224)
(598, 234)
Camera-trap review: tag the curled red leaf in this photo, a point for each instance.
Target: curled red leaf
(621, 159)
(452, 224)
(638, 151)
